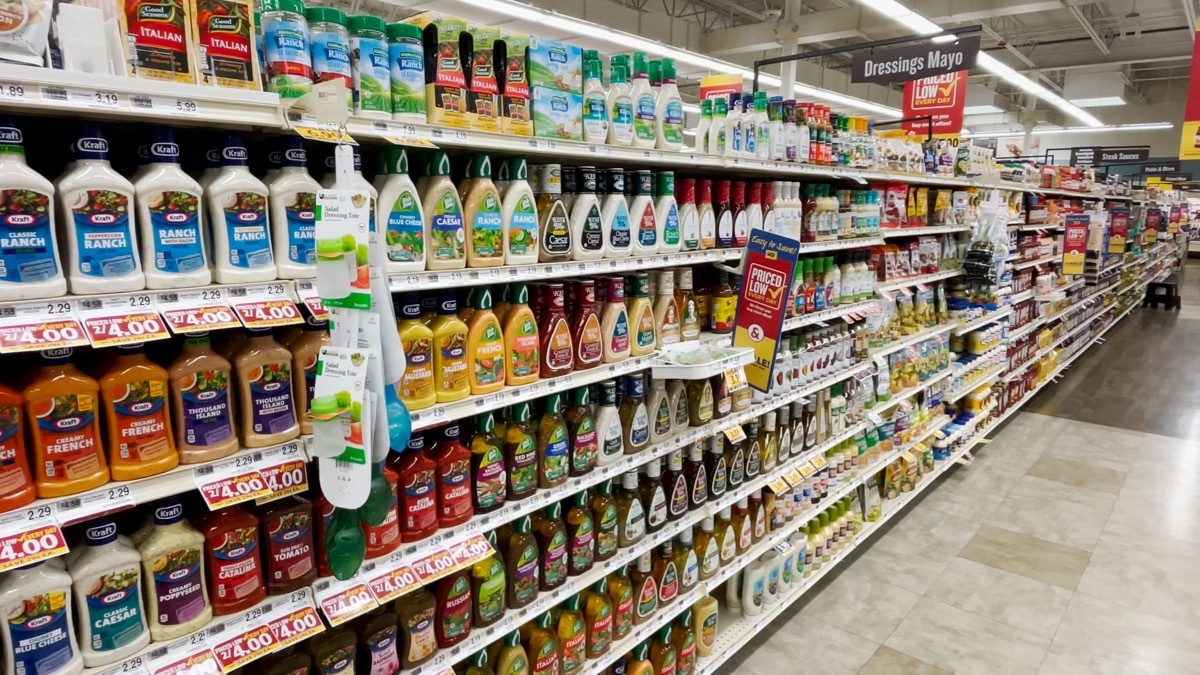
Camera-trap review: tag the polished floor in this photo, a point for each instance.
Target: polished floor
(1070, 546)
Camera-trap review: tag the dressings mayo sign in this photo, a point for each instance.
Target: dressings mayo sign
(902, 64)
(770, 264)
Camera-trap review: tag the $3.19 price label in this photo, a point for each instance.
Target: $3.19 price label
(27, 544)
(106, 331)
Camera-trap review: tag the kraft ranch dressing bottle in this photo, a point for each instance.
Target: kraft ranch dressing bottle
(29, 267)
(38, 628)
(107, 578)
(97, 218)
(237, 209)
(170, 214)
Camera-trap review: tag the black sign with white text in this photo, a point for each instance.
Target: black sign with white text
(1092, 156)
(901, 64)
(1159, 169)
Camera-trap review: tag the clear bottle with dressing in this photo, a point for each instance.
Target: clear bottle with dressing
(666, 310)
(595, 104)
(202, 402)
(482, 219)
(237, 208)
(446, 247)
(587, 222)
(554, 223)
(609, 433)
(705, 215)
(642, 330)
(620, 106)
(614, 215)
(615, 323)
(266, 399)
(717, 131)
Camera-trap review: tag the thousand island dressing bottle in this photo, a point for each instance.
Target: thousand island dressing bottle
(557, 343)
(202, 402)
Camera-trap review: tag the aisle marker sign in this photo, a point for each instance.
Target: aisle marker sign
(1075, 243)
(1118, 230)
(762, 298)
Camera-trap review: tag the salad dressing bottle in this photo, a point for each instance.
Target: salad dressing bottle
(669, 110)
(705, 215)
(645, 589)
(237, 209)
(620, 106)
(134, 394)
(605, 520)
(708, 549)
(523, 564)
(572, 637)
(305, 349)
(689, 218)
(482, 219)
(557, 347)
(723, 214)
(581, 428)
(554, 225)
(658, 407)
(666, 310)
(486, 346)
(488, 476)
(107, 584)
(232, 560)
(450, 364)
(654, 497)
(553, 446)
(418, 387)
(631, 515)
(696, 475)
(595, 103)
(202, 402)
(551, 537)
(663, 656)
(717, 469)
(520, 215)
(598, 619)
(620, 593)
(416, 612)
(647, 230)
(718, 134)
(614, 215)
(399, 213)
(170, 209)
(452, 621)
(634, 418)
(675, 484)
(666, 212)
(581, 535)
(544, 647)
(522, 363)
(520, 453)
(726, 536)
(643, 338)
(587, 331)
(512, 659)
(266, 398)
(615, 326)
(587, 223)
(292, 196)
(443, 211)
(645, 119)
(685, 300)
(417, 496)
(36, 272)
(609, 433)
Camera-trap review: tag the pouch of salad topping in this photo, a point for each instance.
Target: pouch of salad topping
(158, 36)
(24, 27)
(223, 32)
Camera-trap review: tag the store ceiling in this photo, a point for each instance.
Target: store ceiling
(1146, 44)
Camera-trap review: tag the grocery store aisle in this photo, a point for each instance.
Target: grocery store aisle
(1068, 546)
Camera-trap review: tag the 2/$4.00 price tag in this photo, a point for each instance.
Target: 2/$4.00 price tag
(264, 305)
(194, 310)
(341, 601)
(30, 535)
(30, 326)
(232, 481)
(121, 319)
(284, 471)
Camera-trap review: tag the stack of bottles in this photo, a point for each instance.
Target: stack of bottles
(821, 283)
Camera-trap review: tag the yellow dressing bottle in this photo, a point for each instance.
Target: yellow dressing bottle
(663, 656)
(704, 624)
(134, 390)
(485, 346)
(521, 358)
(512, 659)
(641, 315)
(482, 218)
(620, 593)
(479, 664)
(572, 636)
(640, 664)
(543, 645)
(417, 387)
(449, 352)
(597, 612)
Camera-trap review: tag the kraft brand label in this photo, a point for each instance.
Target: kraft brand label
(336, 661)
(555, 463)
(422, 643)
(556, 233)
(177, 586)
(235, 564)
(447, 240)
(490, 478)
(592, 234)
(114, 610)
(554, 560)
(417, 382)
(407, 61)
(456, 612)
(490, 603)
(103, 233)
(619, 237)
(40, 635)
(522, 227)
(158, 43)
(372, 74)
(175, 221)
(405, 231)
(288, 58)
(206, 416)
(523, 472)
(289, 546)
(12, 478)
(487, 228)
(523, 357)
(488, 362)
(606, 531)
(454, 489)
(26, 245)
(140, 418)
(381, 647)
(67, 427)
(644, 119)
(525, 578)
(420, 501)
(271, 405)
(302, 228)
(584, 445)
(246, 228)
(647, 232)
(223, 31)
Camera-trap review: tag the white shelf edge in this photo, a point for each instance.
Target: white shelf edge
(897, 284)
(893, 232)
(984, 320)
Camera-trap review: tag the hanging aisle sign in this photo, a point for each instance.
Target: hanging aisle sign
(902, 64)
(766, 278)
(941, 97)
(1118, 229)
(1075, 243)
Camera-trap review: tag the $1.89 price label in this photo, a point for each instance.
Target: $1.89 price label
(31, 544)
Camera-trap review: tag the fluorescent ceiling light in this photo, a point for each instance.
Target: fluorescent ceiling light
(691, 108)
(1150, 126)
(1098, 102)
(982, 110)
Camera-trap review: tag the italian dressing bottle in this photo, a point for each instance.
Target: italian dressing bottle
(98, 222)
(519, 208)
(237, 209)
(641, 216)
(666, 213)
(645, 117)
(34, 271)
(587, 229)
(614, 215)
(669, 110)
(169, 215)
(399, 212)
(293, 199)
(107, 579)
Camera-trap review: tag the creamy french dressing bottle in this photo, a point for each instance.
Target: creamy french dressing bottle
(292, 194)
(237, 208)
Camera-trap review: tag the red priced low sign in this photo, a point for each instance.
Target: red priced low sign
(293, 627)
(106, 331)
(267, 313)
(283, 479)
(206, 318)
(36, 335)
(344, 602)
(30, 544)
(244, 648)
(394, 583)
(220, 489)
(762, 299)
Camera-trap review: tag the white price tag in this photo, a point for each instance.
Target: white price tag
(12, 92)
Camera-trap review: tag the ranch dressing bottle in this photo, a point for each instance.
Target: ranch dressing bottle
(666, 213)
(237, 208)
(36, 602)
(620, 106)
(107, 578)
(519, 207)
(170, 215)
(28, 223)
(98, 220)
(293, 199)
(669, 110)
(645, 117)
(398, 212)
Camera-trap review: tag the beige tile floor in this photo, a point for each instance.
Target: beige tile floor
(1066, 547)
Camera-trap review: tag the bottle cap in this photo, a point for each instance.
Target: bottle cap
(168, 511)
(722, 192)
(586, 182)
(666, 283)
(720, 108)
(640, 68)
(754, 193)
(479, 166)
(619, 74)
(685, 191)
(706, 108)
(164, 149)
(570, 180)
(416, 442)
(400, 31)
(608, 392)
(668, 71)
(655, 71)
(643, 183)
(614, 181)
(654, 468)
(639, 285)
(438, 164)
(738, 192)
(517, 168)
(665, 184)
(591, 69)
(325, 14)
(365, 22)
(634, 385)
(410, 305)
(100, 532)
(550, 179)
(616, 289)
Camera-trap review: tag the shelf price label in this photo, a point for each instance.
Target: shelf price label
(471, 550)
(121, 319)
(341, 601)
(201, 309)
(198, 662)
(47, 324)
(230, 482)
(264, 306)
(393, 583)
(284, 471)
(111, 497)
(30, 536)
(307, 291)
(245, 647)
(293, 626)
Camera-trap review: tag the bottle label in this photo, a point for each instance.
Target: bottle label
(546, 661)
(595, 117)
(574, 647)
(289, 546)
(718, 485)
(27, 252)
(405, 229)
(41, 634)
(750, 137)
(760, 524)
(554, 560)
(672, 126)
(175, 222)
(601, 631)
(708, 229)
(621, 115)
(619, 239)
(745, 535)
(420, 502)
(407, 60)
(456, 611)
(691, 570)
(724, 310)
(699, 486)
(271, 398)
(556, 462)
(584, 445)
(644, 335)
(372, 74)
(639, 429)
(708, 630)
(752, 459)
(644, 119)
(590, 346)
(613, 447)
(523, 472)
(381, 646)
(13, 475)
(671, 225)
(583, 547)
(489, 604)
(559, 355)
(756, 592)
(140, 420)
(69, 436)
(662, 417)
(725, 228)
(647, 599)
(773, 581)
(679, 497)
(619, 344)
(447, 239)
(647, 232)
(728, 545)
(330, 57)
(417, 382)
(287, 55)
(452, 352)
(669, 587)
(656, 515)
(177, 584)
(592, 235)
(737, 468)
(489, 477)
(623, 614)
(606, 532)
(246, 229)
(722, 136)
(556, 234)
(522, 228)
(523, 358)
(422, 642)
(235, 564)
(114, 610)
(487, 228)
(682, 418)
(635, 521)
(712, 558)
(525, 577)
(487, 364)
(454, 488)
(741, 228)
(687, 656)
(103, 233)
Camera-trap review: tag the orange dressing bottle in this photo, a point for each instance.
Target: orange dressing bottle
(61, 404)
(16, 484)
(522, 363)
(485, 346)
(140, 441)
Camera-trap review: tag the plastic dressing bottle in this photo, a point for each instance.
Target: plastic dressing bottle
(587, 230)
(170, 218)
(666, 213)
(176, 597)
(237, 209)
(614, 215)
(62, 407)
(645, 118)
(38, 627)
(202, 402)
(519, 209)
(642, 220)
(140, 441)
(669, 110)
(595, 104)
(98, 221)
(107, 578)
(481, 214)
(399, 213)
(446, 247)
(31, 270)
(293, 199)
(620, 107)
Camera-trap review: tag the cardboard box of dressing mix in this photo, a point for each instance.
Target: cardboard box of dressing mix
(483, 91)
(445, 82)
(557, 114)
(515, 114)
(556, 82)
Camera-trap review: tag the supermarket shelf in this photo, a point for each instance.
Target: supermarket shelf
(1024, 330)
(984, 320)
(827, 315)
(1033, 263)
(839, 244)
(1026, 228)
(428, 417)
(1072, 307)
(913, 281)
(884, 406)
(919, 336)
(893, 232)
(970, 427)
(419, 281)
(1045, 297)
(1018, 298)
(991, 376)
(1073, 332)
